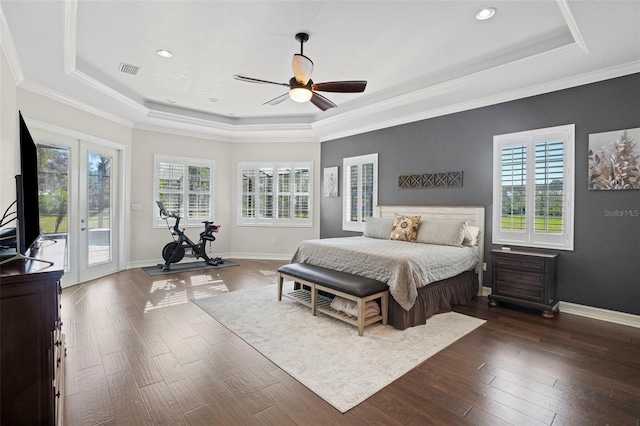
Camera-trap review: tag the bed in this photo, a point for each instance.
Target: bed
(425, 277)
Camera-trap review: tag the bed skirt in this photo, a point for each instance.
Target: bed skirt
(433, 299)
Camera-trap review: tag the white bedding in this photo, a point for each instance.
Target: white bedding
(404, 266)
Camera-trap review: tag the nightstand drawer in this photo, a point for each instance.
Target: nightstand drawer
(520, 292)
(520, 277)
(520, 263)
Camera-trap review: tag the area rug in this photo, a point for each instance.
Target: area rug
(327, 355)
(185, 267)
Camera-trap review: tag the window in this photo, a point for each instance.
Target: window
(185, 186)
(533, 188)
(275, 194)
(360, 177)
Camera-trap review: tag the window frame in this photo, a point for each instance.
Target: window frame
(186, 162)
(528, 139)
(276, 192)
(347, 223)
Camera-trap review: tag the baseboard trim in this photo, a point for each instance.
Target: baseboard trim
(608, 315)
(617, 317)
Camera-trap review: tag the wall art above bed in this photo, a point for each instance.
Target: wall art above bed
(431, 180)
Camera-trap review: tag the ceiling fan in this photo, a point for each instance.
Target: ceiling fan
(302, 88)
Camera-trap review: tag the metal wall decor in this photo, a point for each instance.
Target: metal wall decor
(431, 180)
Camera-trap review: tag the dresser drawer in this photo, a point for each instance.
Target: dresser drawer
(521, 292)
(520, 262)
(520, 277)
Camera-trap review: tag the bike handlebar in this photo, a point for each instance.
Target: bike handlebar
(164, 212)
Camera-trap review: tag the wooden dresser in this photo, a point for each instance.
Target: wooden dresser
(525, 278)
(31, 339)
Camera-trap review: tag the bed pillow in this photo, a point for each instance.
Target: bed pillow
(442, 232)
(405, 228)
(378, 227)
(471, 236)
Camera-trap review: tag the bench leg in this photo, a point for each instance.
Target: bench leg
(280, 281)
(360, 317)
(314, 300)
(384, 302)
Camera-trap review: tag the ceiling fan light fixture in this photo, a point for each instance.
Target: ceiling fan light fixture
(300, 94)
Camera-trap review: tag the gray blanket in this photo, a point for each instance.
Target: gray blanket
(404, 266)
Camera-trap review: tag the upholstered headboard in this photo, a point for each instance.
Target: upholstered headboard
(473, 215)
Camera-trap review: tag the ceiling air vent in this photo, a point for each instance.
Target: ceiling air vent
(129, 69)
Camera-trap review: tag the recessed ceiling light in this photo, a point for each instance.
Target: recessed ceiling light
(485, 14)
(165, 53)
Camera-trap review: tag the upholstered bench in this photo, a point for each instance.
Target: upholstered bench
(337, 283)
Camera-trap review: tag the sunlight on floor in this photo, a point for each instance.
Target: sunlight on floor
(170, 292)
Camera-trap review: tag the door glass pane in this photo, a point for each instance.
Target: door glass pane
(53, 191)
(99, 209)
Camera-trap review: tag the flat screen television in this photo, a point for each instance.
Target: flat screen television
(28, 209)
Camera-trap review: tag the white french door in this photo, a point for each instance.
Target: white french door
(98, 244)
(83, 185)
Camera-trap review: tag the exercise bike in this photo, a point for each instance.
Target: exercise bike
(174, 251)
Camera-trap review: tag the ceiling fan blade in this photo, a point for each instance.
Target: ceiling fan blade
(257, 80)
(279, 99)
(302, 68)
(321, 102)
(353, 86)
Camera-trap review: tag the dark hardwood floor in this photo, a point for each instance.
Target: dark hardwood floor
(139, 353)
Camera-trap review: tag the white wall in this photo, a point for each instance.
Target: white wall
(257, 242)
(232, 241)
(146, 241)
(9, 157)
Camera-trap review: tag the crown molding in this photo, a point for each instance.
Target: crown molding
(401, 116)
(572, 24)
(408, 107)
(87, 80)
(9, 49)
(46, 92)
(469, 82)
(69, 35)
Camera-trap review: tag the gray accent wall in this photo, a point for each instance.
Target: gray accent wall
(603, 270)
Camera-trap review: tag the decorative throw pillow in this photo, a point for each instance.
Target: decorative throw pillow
(443, 232)
(378, 227)
(405, 228)
(471, 236)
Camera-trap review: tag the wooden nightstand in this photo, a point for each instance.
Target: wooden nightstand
(525, 278)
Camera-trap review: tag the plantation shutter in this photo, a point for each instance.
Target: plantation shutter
(533, 188)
